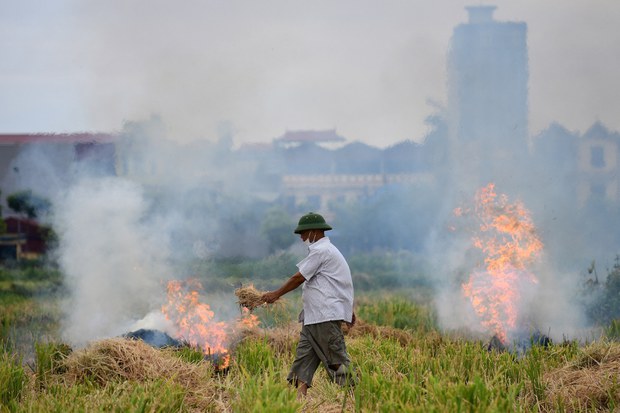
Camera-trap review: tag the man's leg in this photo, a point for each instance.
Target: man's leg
(302, 390)
(340, 374)
(305, 365)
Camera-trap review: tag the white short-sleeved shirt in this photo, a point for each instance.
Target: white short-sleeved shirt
(327, 293)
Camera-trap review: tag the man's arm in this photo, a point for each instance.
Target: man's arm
(292, 283)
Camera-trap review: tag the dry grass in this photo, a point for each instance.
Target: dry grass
(283, 339)
(249, 297)
(119, 360)
(361, 328)
(592, 382)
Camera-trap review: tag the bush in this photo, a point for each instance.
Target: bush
(388, 270)
(605, 304)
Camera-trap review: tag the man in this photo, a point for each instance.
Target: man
(327, 296)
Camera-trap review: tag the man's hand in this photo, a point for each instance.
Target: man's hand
(352, 323)
(292, 283)
(270, 297)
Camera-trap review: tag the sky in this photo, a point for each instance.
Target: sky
(371, 69)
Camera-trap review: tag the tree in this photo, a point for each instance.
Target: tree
(25, 202)
(277, 227)
(604, 304)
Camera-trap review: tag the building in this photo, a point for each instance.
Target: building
(23, 239)
(487, 98)
(61, 152)
(315, 177)
(599, 166)
(299, 137)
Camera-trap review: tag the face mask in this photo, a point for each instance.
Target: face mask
(307, 241)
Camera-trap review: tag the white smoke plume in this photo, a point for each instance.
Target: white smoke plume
(114, 260)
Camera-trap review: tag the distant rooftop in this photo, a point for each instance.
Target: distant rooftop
(480, 14)
(84, 137)
(316, 136)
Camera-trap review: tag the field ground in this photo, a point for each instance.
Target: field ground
(401, 362)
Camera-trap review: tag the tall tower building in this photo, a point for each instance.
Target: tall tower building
(487, 99)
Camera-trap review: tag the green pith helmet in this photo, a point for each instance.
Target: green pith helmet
(311, 220)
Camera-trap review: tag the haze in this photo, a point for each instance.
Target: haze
(373, 70)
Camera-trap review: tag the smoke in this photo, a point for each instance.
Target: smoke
(114, 259)
(121, 238)
(41, 168)
(544, 297)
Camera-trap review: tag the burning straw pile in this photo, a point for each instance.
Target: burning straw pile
(119, 360)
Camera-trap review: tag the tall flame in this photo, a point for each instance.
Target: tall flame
(195, 321)
(507, 238)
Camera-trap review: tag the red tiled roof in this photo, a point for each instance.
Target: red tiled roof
(85, 137)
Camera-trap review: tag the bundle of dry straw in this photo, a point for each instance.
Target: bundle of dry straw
(249, 297)
(120, 360)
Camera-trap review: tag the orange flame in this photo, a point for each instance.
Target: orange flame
(195, 321)
(507, 237)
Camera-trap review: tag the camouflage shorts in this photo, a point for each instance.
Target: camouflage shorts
(322, 342)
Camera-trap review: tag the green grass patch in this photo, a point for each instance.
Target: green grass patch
(12, 380)
(395, 311)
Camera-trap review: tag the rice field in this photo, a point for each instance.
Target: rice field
(402, 363)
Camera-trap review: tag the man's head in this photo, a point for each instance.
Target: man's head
(311, 227)
(310, 221)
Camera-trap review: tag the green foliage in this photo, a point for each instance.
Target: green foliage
(156, 396)
(388, 270)
(190, 354)
(397, 312)
(393, 218)
(28, 306)
(49, 357)
(5, 325)
(276, 227)
(265, 393)
(370, 272)
(428, 372)
(604, 306)
(12, 379)
(262, 388)
(29, 204)
(612, 331)
(434, 375)
(255, 357)
(268, 272)
(533, 370)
